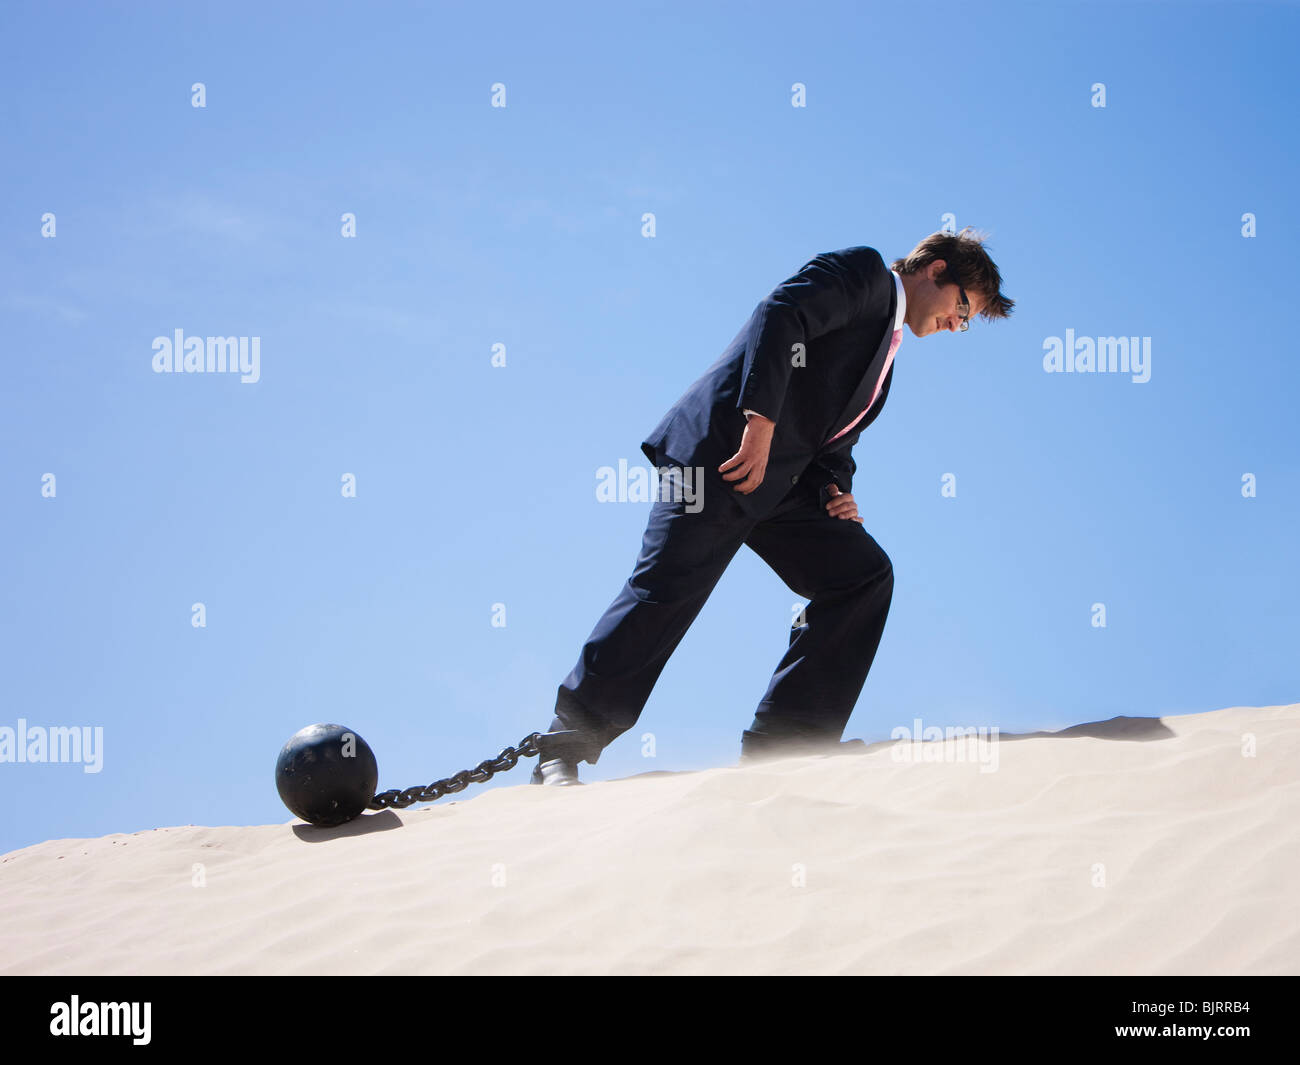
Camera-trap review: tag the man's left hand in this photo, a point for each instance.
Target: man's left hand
(841, 504)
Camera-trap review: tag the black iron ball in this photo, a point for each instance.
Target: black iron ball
(326, 774)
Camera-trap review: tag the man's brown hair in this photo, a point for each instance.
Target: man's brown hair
(966, 263)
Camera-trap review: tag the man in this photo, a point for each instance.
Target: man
(772, 424)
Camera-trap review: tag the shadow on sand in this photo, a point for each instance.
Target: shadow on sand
(1121, 728)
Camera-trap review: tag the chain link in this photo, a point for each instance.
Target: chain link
(507, 759)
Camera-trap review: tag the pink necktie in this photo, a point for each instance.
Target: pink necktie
(889, 360)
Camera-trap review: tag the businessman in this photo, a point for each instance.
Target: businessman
(772, 425)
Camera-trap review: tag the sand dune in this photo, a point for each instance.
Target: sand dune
(1133, 846)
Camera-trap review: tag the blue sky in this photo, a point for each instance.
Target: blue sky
(479, 225)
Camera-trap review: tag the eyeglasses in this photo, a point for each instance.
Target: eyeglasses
(963, 309)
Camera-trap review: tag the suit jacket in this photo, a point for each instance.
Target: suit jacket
(840, 306)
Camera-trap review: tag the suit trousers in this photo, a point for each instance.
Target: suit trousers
(832, 562)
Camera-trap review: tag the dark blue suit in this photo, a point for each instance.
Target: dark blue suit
(809, 359)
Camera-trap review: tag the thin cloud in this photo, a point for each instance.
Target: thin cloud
(44, 305)
(196, 213)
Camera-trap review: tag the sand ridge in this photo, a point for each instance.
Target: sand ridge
(1135, 846)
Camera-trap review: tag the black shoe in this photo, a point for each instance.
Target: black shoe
(755, 748)
(556, 772)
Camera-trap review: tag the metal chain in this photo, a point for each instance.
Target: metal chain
(507, 759)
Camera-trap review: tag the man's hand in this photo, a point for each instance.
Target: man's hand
(841, 504)
(748, 465)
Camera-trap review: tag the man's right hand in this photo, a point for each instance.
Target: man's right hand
(748, 465)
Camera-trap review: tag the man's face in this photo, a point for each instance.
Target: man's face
(932, 308)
